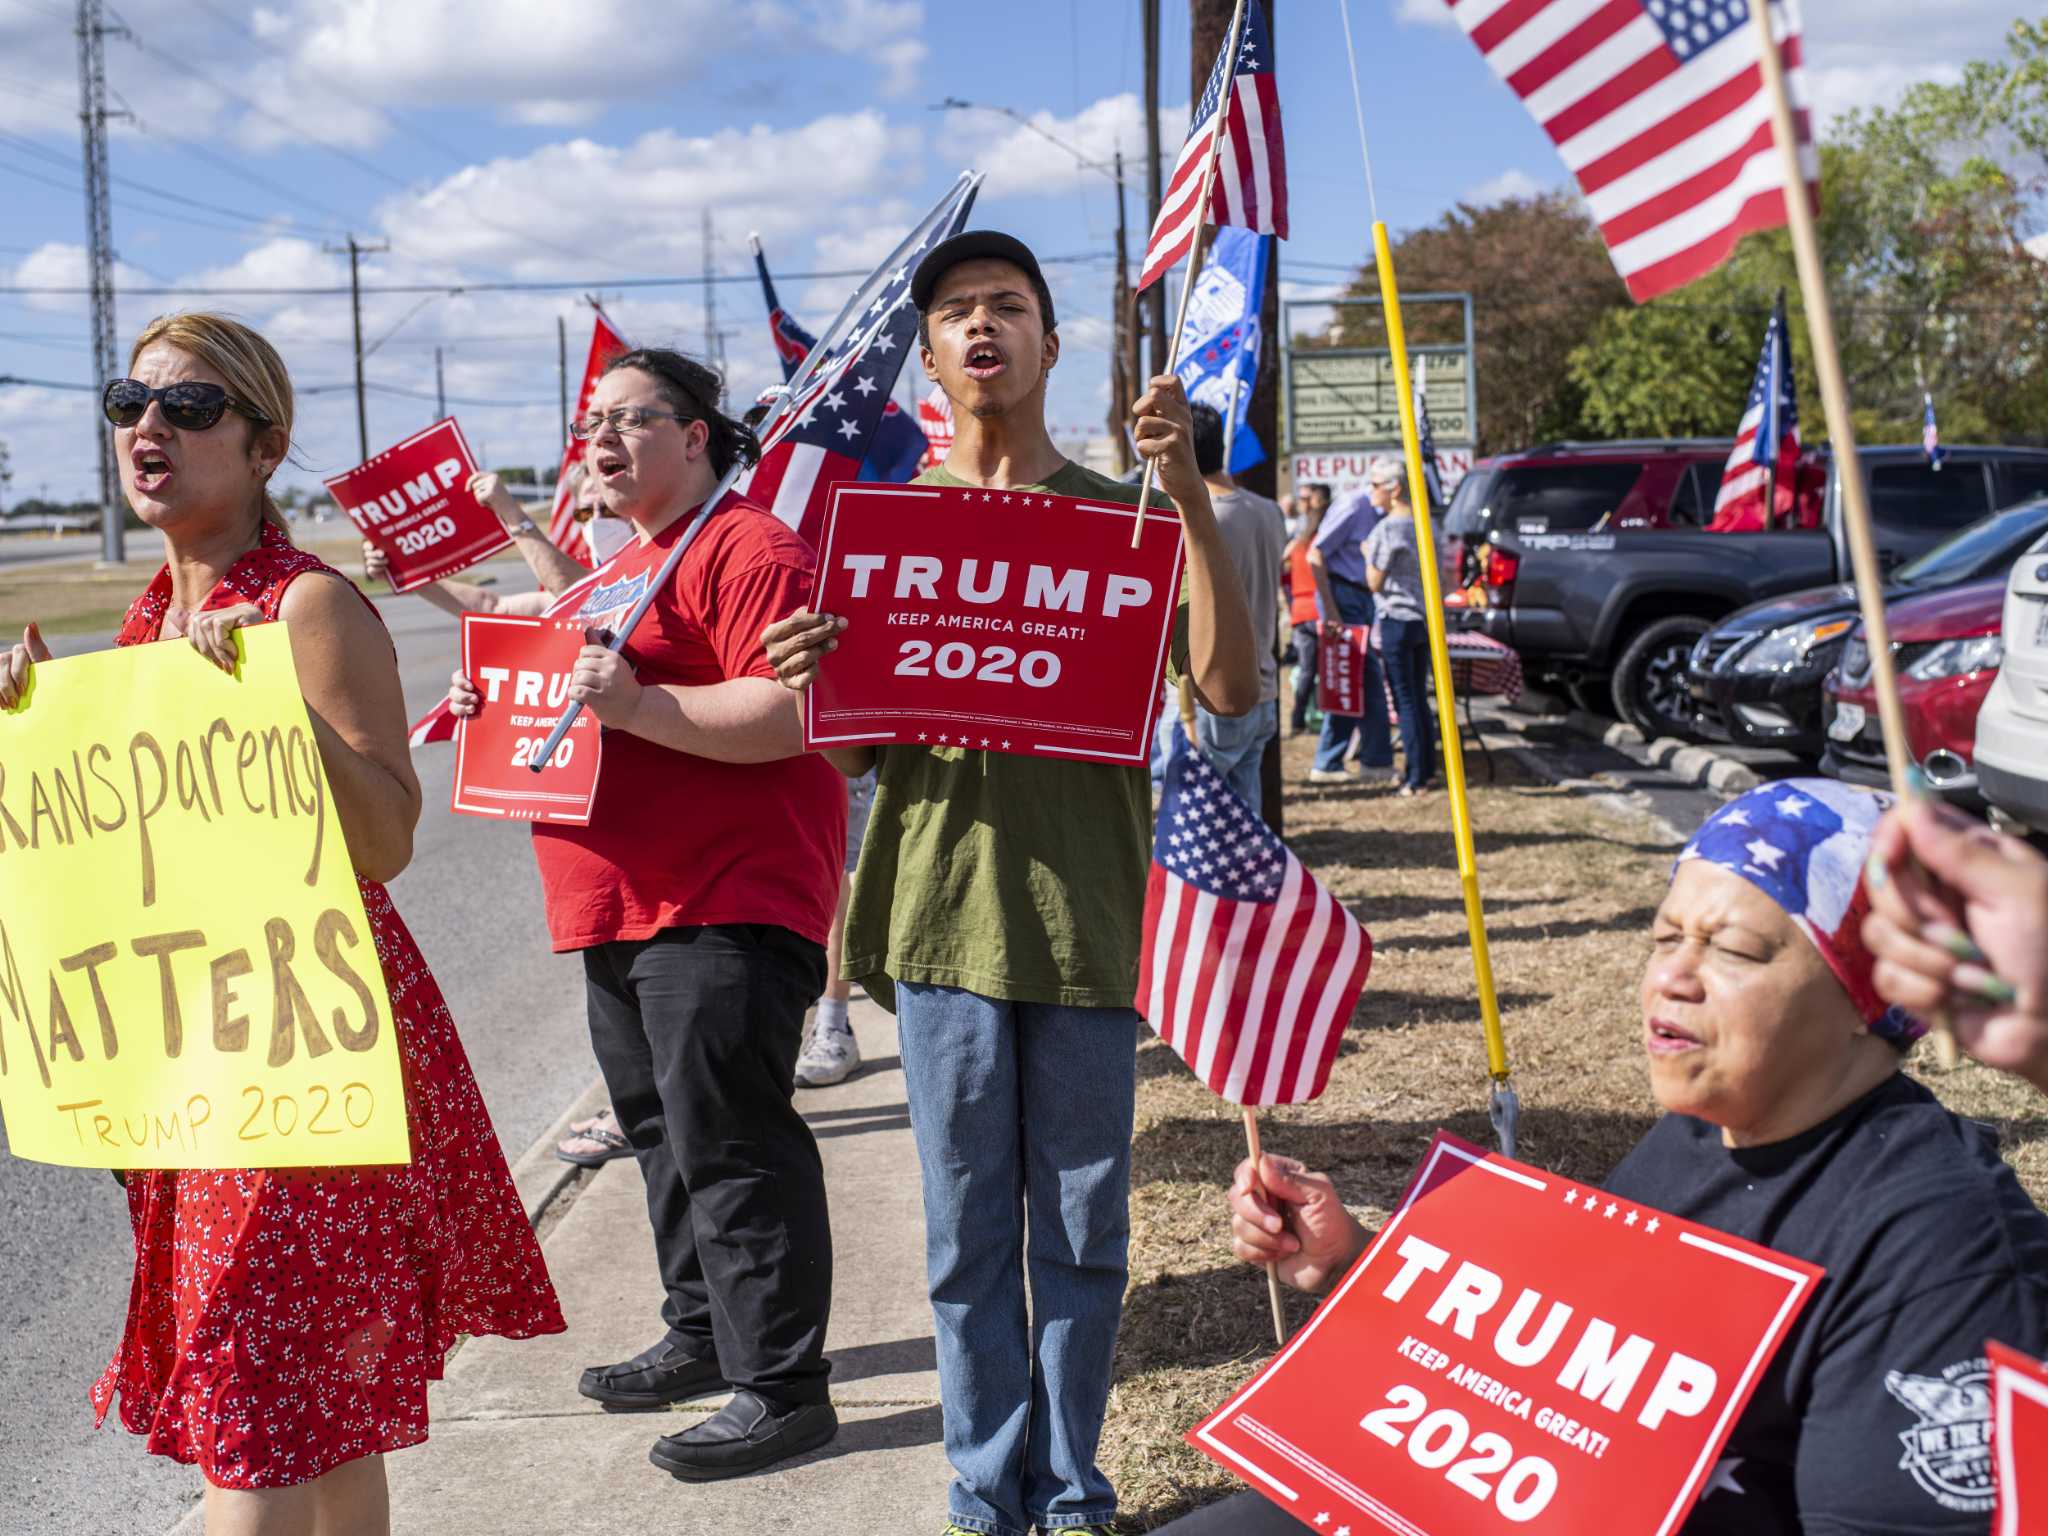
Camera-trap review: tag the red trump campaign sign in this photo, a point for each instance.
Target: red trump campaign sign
(2019, 1428)
(411, 503)
(1340, 672)
(522, 669)
(1017, 622)
(1515, 1352)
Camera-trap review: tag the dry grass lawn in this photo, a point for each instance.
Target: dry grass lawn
(70, 597)
(1570, 887)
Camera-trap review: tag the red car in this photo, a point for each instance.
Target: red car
(1946, 647)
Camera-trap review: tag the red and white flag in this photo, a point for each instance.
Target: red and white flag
(437, 724)
(935, 418)
(1250, 969)
(1250, 188)
(564, 532)
(1660, 110)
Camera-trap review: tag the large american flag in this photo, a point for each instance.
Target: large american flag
(564, 532)
(1767, 441)
(840, 394)
(1251, 167)
(1660, 110)
(1250, 968)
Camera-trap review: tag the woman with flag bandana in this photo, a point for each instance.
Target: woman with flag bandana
(997, 909)
(702, 924)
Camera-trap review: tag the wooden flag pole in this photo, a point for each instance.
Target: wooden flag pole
(1187, 286)
(1251, 1140)
(1440, 666)
(1834, 395)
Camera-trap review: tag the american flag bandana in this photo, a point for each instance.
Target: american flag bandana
(1803, 843)
(1250, 968)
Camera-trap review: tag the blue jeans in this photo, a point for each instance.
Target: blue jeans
(1022, 1110)
(1234, 746)
(1407, 662)
(1375, 741)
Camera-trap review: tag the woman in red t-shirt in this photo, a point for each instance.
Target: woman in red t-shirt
(699, 896)
(1301, 603)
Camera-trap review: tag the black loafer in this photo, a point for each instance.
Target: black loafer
(744, 1436)
(659, 1375)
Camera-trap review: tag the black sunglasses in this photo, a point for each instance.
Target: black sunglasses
(192, 406)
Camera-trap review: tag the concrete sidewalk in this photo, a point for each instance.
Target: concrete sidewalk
(514, 1449)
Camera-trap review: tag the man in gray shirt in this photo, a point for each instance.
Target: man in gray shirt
(1254, 534)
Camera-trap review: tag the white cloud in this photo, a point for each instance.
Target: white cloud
(54, 264)
(1025, 161)
(2038, 247)
(1424, 13)
(1509, 183)
(1838, 88)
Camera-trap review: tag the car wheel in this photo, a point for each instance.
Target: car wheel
(1649, 680)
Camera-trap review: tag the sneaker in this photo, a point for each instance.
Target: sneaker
(1331, 776)
(829, 1056)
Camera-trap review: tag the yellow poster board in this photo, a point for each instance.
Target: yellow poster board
(187, 976)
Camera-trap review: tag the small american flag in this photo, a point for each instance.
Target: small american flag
(1250, 969)
(437, 724)
(1425, 436)
(840, 394)
(1930, 434)
(1660, 110)
(564, 532)
(1769, 433)
(792, 342)
(1251, 166)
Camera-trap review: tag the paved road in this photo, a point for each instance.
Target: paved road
(473, 902)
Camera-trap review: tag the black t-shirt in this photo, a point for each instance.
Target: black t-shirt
(1874, 1417)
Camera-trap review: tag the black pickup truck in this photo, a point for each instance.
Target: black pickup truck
(1612, 617)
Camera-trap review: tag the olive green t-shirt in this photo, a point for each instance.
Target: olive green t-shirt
(1020, 878)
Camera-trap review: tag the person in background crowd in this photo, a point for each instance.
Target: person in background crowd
(1301, 603)
(1789, 1122)
(699, 897)
(998, 910)
(593, 1142)
(1957, 914)
(1252, 534)
(1343, 600)
(1393, 569)
(283, 1324)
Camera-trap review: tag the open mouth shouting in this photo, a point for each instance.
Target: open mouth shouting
(1661, 1037)
(611, 465)
(985, 361)
(152, 469)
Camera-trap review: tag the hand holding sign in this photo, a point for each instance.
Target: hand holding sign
(515, 684)
(14, 675)
(415, 502)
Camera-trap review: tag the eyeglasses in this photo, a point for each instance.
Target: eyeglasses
(190, 406)
(624, 418)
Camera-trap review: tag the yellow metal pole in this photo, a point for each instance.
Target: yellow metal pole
(1440, 665)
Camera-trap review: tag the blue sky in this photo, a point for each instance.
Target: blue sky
(544, 140)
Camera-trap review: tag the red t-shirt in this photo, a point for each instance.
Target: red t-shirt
(677, 840)
(1301, 584)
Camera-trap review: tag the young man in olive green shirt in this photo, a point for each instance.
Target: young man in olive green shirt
(998, 907)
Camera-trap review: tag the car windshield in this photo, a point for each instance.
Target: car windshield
(1982, 549)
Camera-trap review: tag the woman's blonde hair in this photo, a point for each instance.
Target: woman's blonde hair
(254, 372)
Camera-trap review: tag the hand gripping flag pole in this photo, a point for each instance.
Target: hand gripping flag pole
(847, 326)
(1834, 396)
(1503, 1108)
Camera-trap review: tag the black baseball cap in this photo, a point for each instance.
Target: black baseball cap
(968, 246)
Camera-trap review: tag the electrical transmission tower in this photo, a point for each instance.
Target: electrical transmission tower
(99, 232)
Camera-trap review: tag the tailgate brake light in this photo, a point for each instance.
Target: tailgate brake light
(1501, 568)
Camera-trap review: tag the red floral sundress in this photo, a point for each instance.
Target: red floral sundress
(284, 1321)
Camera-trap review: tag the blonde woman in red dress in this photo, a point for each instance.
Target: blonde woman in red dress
(283, 1324)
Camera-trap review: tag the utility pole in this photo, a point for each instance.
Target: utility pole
(1123, 331)
(710, 300)
(356, 251)
(99, 230)
(1208, 26)
(562, 370)
(440, 389)
(1155, 296)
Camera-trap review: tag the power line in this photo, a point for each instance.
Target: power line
(29, 147)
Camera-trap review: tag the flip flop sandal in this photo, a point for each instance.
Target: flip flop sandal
(593, 1148)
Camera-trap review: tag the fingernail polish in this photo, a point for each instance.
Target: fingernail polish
(1979, 982)
(1956, 942)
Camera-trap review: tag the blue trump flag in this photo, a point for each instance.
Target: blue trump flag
(1219, 343)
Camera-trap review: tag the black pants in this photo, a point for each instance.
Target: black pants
(1245, 1515)
(696, 1031)
(1307, 641)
